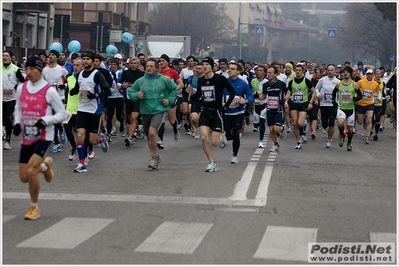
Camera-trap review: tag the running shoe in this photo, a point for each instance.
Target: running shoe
(283, 133)
(33, 213)
(91, 155)
(382, 128)
(324, 131)
(233, 160)
(121, 126)
(224, 141)
(341, 141)
(304, 139)
(375, 137)
(298, 145)
(307, 126)
(313, 135)
(113, 131)
(109, 138)
(72, 154)
(197, 134)
(260, 144)
(104, 144)
(124, 133)
(367, 141)
(255, 130)
(176, 135)
(289, 130)
(48, 174)
(64, 138)
(7, 145)
(349, 147)
(211, 167)
(80, 168)
(328, 144)
(275, 148)
(151, 162)
(87, 159)
(129, 141)
(56, 148)
(160, 145)
(157, 161)
(4, 135)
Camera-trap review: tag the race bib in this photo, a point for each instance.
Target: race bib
(8, 93)
(235, 103)
(367, 94)
(83, 93)
(298, 97)
(272, 102)
(208, 93)
(376, 98)
(346, 98)
(31, 132)
(328, 97)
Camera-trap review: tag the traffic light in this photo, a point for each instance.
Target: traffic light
(208, 47)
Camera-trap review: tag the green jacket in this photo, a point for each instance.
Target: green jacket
(155, 89)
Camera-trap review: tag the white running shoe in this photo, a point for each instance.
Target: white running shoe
(211, 167)
(298, 145)
(275, 148)
(234, 160)
(304, 139)
(328, 144)
(260, 144)
(283, 133)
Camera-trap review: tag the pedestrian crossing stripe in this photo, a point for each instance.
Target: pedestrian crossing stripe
(66, 234)
(175, 238)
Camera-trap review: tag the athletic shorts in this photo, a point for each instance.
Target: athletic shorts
(154, 121)
(196, 106)
(40, 148)
(349, 115)
(364, 109)
(90, 122)
(298, 106)
(132, 106)
(274, 117)
(213, 118)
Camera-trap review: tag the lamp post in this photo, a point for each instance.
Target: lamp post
(239, 32)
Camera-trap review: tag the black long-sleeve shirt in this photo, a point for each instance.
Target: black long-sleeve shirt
(98, 79)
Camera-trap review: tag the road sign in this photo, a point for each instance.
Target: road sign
(259, 30)
(234, 57)
(332, 33)
(392, 57)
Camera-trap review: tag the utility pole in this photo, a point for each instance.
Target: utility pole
(239, 32)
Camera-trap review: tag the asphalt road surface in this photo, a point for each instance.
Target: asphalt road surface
(263, 210)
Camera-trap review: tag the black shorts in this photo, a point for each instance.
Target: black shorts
(196, 106)
(174, 103)
(40, 148)
(364, 109)
(132, 106)
(185, 95)
(328, 116)
(212, 118)
(274, 117)
(90, 122)
(298, 106)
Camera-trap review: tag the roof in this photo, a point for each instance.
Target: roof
(294, 25)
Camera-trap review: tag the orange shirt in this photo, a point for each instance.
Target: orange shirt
(368, 89)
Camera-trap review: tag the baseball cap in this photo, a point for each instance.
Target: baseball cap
(370, 71)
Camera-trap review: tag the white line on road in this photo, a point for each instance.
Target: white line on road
(67, 234)
(286, 243)
(132, 198)
(7, 218)
(175, 238)
(241, 189)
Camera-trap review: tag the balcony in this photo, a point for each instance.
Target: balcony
(32, 7)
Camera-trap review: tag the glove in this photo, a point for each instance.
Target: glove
(61, 86)
(41, 124)
(224, 109)
(256, 95)
(17, 129)
(91, 95)
(335, 104)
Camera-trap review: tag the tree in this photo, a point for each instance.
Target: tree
(204, 22)
(366, 29)
(388, 10)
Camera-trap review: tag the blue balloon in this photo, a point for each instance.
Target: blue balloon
(111, 50)
(127, 37)
(56, 46)
(74, 46)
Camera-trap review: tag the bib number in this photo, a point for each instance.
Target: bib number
(8, 93)
(346, 98)
(31, 132)
(208, 93)
(298, 98)
(367, 94)
(272, 102)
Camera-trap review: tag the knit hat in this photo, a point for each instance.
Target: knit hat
(55, 52)
(209, 60)
(348, 69)
(35, 62)
(164, 56)
(9, 52)
(88, 54)
(223, 60)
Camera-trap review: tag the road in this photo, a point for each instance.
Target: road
(263, 210)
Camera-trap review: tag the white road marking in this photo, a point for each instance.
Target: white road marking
(67, 234)
(175, 238)
(261, 195)
(241, 189)
(286, 243)
(382, 237)
(8, 217)
(131, 198)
